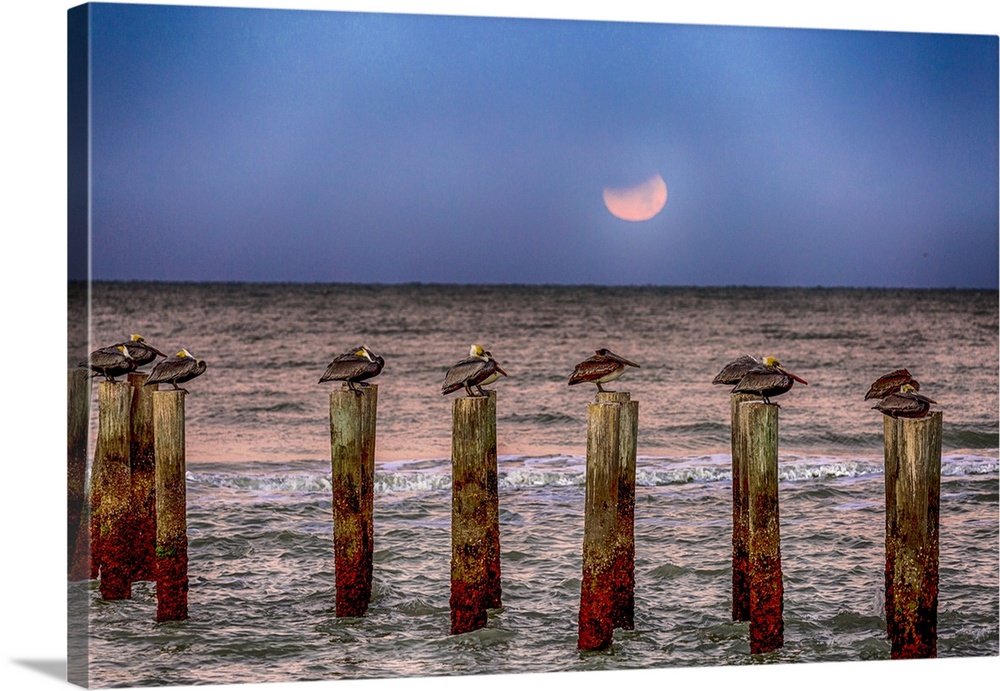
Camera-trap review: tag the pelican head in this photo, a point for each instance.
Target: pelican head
(365, 352)
(477, 351)
(136, 338)
(910, 390)
(183, 352)
(770, 361)
(124, 351)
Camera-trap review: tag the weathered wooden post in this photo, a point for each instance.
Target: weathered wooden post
(623, 614)
(759, 429)
(607, 586)
(112, 492)
(352, 453)
(143, 467)
(891, 430)
(913, 494)
(741, 511)
(369, 415)
(475, 531)
(171, 506)
(77, 427)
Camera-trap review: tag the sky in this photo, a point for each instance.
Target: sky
(283, 145)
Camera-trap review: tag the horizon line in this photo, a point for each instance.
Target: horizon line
(527, 285)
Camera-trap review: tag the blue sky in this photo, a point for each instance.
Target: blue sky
(282, 145)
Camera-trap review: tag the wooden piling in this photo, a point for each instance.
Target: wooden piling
(369, 416)
(741, 511)
(913, 493)
(475, 531)
(891, 431)
(599, 586)
(143, 468)
(112, 494)
(77, 427)
(171, 506)
(623, 614)
(352, 453)
(759, 428)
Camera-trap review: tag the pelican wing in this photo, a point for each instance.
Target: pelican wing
(469, 370)
(735, 370)
(198, 369)
(904, 405)
(351, 367)
(106, 358)
(142, 352)
(175, 369)
(890, 383)
(763, 379)
(594, 368)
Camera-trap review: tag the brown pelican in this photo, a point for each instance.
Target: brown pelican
(890, 383)
(734, 371)
(140, 351)
(354, 367)
(178, 369)
(600, 368)
(904, 403)
(476, 370)
(767, 379)
(113, 361)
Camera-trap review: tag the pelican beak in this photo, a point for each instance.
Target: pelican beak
(626, 362)
(500, 369)
(798, 379)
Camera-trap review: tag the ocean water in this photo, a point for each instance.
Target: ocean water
(259, 507)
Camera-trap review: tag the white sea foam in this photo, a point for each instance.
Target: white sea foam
(517, 472)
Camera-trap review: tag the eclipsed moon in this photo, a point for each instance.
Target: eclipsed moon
(637, 203)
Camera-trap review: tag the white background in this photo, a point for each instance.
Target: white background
(33, 270)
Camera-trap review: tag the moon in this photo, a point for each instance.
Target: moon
(637, 203)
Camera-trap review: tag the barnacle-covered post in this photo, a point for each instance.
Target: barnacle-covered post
(475, 530)
(741, 511)
(623, 616)
(913, 494)
(171, 506)
(111, 496)
(143, 473)
(607, 585)
(759, 434)
(352, 452)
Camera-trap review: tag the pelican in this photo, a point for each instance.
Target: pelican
(600, 368)
(767, 379)
(140, 351)
(113, 361)
(478, 369)
(891, 383)
(354, 367)
(178, 369)
(904, 403)
(734, 371)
